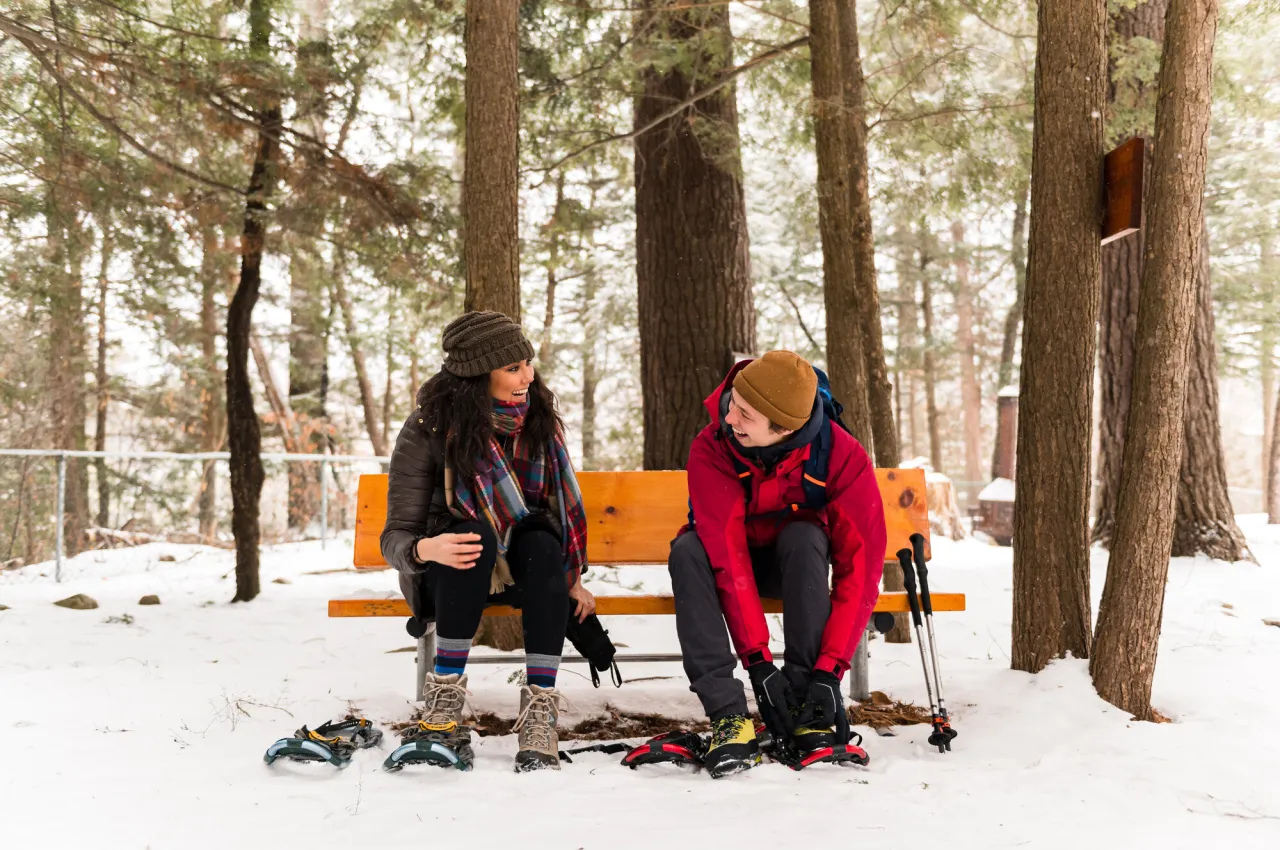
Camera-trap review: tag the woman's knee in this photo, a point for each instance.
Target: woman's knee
(488, 540)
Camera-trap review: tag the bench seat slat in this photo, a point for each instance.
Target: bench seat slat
(894, 602)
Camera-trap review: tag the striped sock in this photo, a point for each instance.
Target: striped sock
(541, 670)
(451, 655)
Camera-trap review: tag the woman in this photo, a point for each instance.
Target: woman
(483, 506)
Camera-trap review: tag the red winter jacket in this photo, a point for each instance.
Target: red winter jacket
(853, 520)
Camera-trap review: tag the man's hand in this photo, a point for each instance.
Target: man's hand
(775, 701)
(824, 706)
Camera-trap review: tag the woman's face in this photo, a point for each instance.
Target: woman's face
(511, 382)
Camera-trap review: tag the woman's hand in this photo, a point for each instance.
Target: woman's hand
(585, 603)
(460, 551)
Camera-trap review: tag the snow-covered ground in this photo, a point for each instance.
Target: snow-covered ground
(151, 733)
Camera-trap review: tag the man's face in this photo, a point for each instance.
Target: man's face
(750, 426)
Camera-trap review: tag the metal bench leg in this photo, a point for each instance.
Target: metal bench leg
(859, 678)
(426, 659)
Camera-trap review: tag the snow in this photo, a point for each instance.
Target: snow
(1010, 391)
(999, 490)
(151, 734)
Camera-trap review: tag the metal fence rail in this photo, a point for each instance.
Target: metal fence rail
(284, 457)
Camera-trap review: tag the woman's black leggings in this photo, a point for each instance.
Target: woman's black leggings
(537, 565)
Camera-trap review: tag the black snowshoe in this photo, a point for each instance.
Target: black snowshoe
(331, 742)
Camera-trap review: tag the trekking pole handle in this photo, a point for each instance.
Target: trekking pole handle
(909, 582)
(917, 549)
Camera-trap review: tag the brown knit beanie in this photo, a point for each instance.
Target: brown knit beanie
(781, 385)
(478, 342)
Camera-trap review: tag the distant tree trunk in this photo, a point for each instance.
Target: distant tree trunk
(930, 360)
(1013, 319)
(100, 376)
(1129, 616)
(1272, 488)
(693, 269)
(1131, 104)
(590, 378)
(555, 233)
(1205, 521)
(367, 403)
(907, 360)
(846, 357)
(1051, 610)
(879, 390)
(242, 421)
(491, 181)
(212, 419)
(490, 189)
(308, 323)
(68, 365)
(1267, 361)
(970, 392)
(1270, 410)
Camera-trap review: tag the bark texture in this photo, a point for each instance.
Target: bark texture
(490, 186)
(243, 432)
(213, 422)
(846, 358)
(970, 392)
(879, 389)
(1123, 664)
(1051, 613)
(929, 360)
(100, 378)
(693, 270)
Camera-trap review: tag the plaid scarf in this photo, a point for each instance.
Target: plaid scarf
(541, 478)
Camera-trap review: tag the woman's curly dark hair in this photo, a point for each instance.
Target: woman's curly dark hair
(462, 407)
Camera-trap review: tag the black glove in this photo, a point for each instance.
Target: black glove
(775, 701)
(824, 706)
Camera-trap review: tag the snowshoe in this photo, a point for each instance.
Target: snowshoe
(331, 742)
(682, 748)
(442, 745)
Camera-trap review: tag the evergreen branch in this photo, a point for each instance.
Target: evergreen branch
(725, 78)
(169, 27)
(949, 110)
(107, 121)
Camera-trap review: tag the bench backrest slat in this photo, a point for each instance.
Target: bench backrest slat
(632, 516)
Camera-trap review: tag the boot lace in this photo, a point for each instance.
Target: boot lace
(536, 722)
(442, 706)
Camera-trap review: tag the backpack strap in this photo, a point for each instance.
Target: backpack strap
(816, 467)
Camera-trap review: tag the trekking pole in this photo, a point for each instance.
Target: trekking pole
(909, 582)
(942, 731)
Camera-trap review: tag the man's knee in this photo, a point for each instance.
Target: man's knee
(804, 543)
(687, 556)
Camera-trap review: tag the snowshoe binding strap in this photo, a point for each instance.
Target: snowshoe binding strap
(607, 749)
(429, 743)
(798, 759)
(331, 742)
(676, 747)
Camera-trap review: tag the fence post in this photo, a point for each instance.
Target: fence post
(324, 499)
(859, 677)
(62, 498)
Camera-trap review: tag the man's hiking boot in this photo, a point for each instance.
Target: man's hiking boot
(536, 725)
(733, 746)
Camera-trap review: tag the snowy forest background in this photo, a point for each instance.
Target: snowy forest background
(126, 148)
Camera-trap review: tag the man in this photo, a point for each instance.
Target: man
(820, 548)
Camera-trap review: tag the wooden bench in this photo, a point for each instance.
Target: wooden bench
(632, 518)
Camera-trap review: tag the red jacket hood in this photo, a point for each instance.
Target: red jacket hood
(712, 402)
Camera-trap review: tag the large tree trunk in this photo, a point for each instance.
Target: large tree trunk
(846, 358)
(879, 389)
(1132, 107)
(212, 419)
(491, 181)
(970, 392)
(930, 358)
(1051, 612)
(490, 191)
(100, 376)
(1124, 662)
(1013, 319)
(1204, 520)
(245, 438)
(693, 271)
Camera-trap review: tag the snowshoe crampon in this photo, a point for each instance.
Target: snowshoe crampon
(797, 759)
(442, 746)
(331, 742)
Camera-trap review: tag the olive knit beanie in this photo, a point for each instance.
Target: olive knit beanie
(781, 385)
(480, 341)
